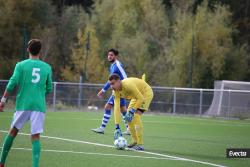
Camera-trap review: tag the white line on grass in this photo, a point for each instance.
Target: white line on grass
(219, 122)
(110, 146)
(61, 118)
(202, 123)
(91, 153)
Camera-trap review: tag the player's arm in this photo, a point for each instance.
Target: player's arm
(117, 115)
(13, 82)
(120, 70)
(136, 94)
(49, 82)
(106, 86)
(117, 112)
(3, 100)
(104, 89)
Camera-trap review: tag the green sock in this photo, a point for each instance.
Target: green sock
(36, 149)
(6, 148)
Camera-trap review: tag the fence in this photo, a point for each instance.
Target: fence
(201, 102)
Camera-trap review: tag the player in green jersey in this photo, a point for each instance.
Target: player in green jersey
(32, 77)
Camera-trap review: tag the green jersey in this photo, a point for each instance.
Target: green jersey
(33, 79)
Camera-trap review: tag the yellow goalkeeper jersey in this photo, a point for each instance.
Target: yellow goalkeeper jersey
(136, 90)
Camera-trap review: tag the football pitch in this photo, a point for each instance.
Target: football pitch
(169, 141)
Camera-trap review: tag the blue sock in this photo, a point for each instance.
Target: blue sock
(106, 118)
(117, 126)
(124, 113)
(118, 132)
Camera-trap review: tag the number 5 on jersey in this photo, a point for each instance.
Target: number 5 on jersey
(35, 75)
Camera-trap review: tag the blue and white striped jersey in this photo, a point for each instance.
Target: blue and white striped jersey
(116, 68)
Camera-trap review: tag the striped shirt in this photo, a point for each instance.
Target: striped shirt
(115, 68)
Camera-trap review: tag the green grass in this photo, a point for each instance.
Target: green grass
(203, 139)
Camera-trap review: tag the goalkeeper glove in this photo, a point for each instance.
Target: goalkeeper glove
(129, 115)
(117, 134)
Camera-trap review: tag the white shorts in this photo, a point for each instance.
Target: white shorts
(36, 120)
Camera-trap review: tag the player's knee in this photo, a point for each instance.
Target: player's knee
(35, 137)
(123, 109)
(108, 106)
(13, 132)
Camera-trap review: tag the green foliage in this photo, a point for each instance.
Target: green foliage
(139, 30)
(84, 61)
(15, 15)
(205, 39)
(66, 28)
(176, 43)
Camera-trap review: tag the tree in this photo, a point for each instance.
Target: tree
(202, 42)
(67, 25)
(138, 29)
(95, 69)
(34, 15)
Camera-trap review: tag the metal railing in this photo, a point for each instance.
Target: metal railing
(228, 103)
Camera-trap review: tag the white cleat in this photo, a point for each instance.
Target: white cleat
(99, 130)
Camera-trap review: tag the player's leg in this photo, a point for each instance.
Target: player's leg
(36, 149)
(123, 109)
(139, 129)
(37, 123)
(106, 116)
(19, 119)
(131, 126)
(7, 145)
(137, 119)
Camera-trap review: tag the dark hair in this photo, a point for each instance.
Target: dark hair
(114, 76)
(116, 52)
(34, 46)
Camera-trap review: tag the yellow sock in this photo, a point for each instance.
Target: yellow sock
(138, 128)
(131, 126)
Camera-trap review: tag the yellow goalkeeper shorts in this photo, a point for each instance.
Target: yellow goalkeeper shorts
(148, 96)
